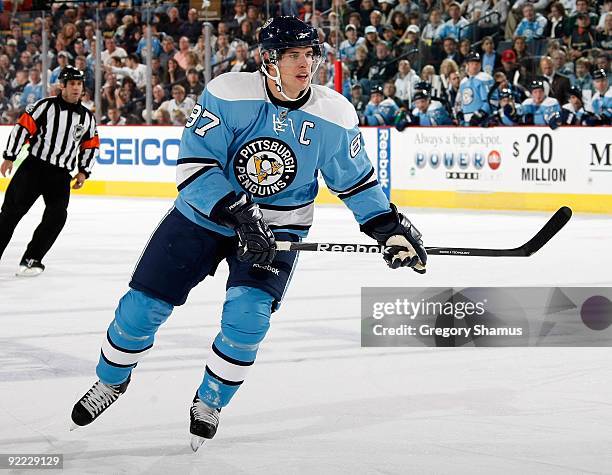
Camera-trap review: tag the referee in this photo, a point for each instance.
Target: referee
(62, 134)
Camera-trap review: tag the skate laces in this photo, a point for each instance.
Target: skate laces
(99, 397)
(203, 413)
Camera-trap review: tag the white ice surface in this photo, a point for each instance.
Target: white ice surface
(315, 402)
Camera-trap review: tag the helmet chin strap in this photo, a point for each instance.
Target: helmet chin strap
(278, 82)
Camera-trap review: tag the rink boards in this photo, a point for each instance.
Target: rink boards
(517, 168)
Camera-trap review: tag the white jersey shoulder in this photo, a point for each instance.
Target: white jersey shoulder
(464, 80)
(238, 87)
(435, 105)
(331, 106)
(482, 76)
(550, 101)
(527, 102)
(609, 92)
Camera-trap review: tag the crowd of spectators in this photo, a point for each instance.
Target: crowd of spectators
(399, 57)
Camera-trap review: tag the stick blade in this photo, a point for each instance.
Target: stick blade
(552, 227)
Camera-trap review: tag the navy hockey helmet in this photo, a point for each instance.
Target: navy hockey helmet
(536, 84)
(600, 74)
(377, 90)
(70, 73)
(421, 94)
(506, 93)
(423, 85)
(281, 33)
(575, 91)
(472, 56)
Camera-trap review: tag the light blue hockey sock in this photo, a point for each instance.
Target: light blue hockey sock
(244, 324)
(130, 335)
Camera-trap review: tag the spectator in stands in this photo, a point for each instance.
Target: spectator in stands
(447, 67)
(454, 81)
(602, 62)
(224, 51)
(532, 25)
(604, 36)
(434, 22)
(492, 23)
(125, 33)
(465, 46)
(365, 8)
(558, 85)
(240, 14)
(557, 25)
(134, 70)
(242, 62)
(384, 67)
(490, 58)
(409, 41)
(406, 7)
(358, 99)
(519, 46)
(405, 81)
(428, 75)
(348, 47)
(371, 40)
(179, 107)
(581, 37)
(62, 61)
(81, 64)
(253, 17)
(389, 92)
(17, 34)
(376, 21)
(399, 23)
(573, 112)
(156, 47)
(192, 85)
(379, 111)
(114, 117)
(562, 66)
(449, 51)
(110, 25)
(7, 70)
(456, 27)
(33, 91)
(181, 55)
(173, 74)
(582, 8)
(360, 68)
(6, 109)
(246, 33)
(25, 60)
(87, 100)
(192, 28)
(355, 20)
(168, 51)
(11, 50)
(172, 25)
(112, 50)
(79, 48)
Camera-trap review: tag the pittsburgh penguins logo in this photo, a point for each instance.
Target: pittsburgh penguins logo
(77, 132)
(467, 96)
(265, 166)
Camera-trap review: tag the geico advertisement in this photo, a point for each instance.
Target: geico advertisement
(535, 159)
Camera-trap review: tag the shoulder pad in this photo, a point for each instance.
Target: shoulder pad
(329, 105)
(238, 86)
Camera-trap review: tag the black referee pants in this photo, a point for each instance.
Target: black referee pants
(32, 179)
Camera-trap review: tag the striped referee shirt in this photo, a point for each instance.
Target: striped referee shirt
(58, 132)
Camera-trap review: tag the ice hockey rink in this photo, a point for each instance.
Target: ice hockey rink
(315, 401)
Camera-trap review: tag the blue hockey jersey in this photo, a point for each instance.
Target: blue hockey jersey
(473, 94)
(239, 140)
(381, 114)
(540, 113)
(602, 105)
(436, 114)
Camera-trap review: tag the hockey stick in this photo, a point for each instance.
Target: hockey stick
(552, 227)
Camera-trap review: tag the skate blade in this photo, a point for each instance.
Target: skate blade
(27, 272)
(197, 442)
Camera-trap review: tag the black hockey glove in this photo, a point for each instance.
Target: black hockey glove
(403, 240)
(555, 120)
(478, 118)
(256, 242)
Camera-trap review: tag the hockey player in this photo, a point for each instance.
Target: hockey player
(426, 112)
(379, 111)
(473, 92)
(506, 113)
(601, 102)
(247, 172)
(538, 109)
(574, 113)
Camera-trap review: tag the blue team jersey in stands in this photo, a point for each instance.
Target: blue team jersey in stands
(381, 114)
(602, 105)
(531, 29)
(542, 112)
(473, 94)
(458, 30)
(436, 114)
(238, 140)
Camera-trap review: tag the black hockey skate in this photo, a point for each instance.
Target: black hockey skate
(30, 268)
(95, 401)
(204, 422)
